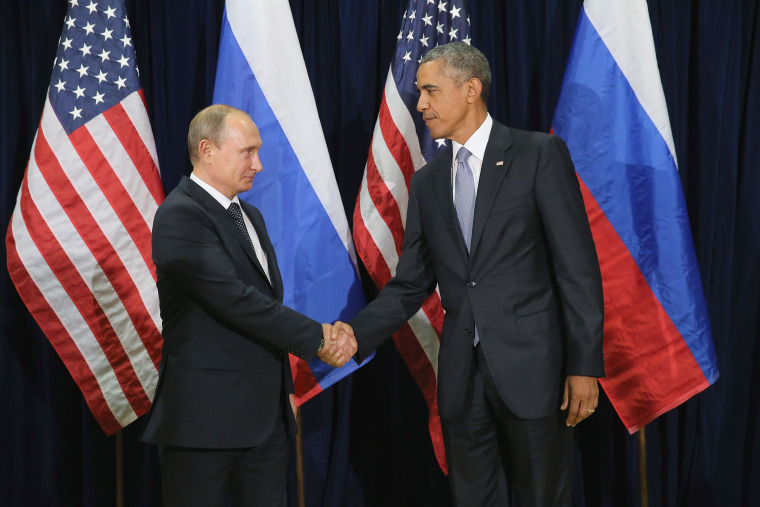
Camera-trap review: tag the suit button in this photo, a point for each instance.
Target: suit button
(468, 331)
(471, 283)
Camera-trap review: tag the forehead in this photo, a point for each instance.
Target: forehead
(241, 129)
(432, 73)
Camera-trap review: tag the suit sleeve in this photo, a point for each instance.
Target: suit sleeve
(573, 256)
(404, 294)
(188, 250)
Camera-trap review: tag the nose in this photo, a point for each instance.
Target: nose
(422, 104)
(256, 163)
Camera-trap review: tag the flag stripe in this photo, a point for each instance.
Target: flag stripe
(97, 222)
(111, 187)
(403, 120)
(401, 145)
(617, 27)
(135, 176)
(97, 359)
(380, 187)
(79, 241)
(648, 157)
(666, 362)
(368, 249)
(94, 238)
(613, 117)
(79, 273)
(396, 145)
(136, 108)
(51, 325)
(259, 71)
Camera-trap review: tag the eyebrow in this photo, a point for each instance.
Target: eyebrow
(427, 87)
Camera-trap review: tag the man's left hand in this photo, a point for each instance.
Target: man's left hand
(580, 399)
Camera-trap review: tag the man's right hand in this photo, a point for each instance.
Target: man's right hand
(340, 344)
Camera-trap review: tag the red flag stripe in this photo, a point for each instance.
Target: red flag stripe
(377, 228)
(368, 251)
(383, 200)
(69, 268)
(114, 192)
(378, 234)
(75, 334)
(87, 197)
(125, 128)
(632, 363)
(403, 120)
(96, 242)
(422, 369)
(304, 381)
(79, 246)
(51, 325)
(81, 296)
(395, 142)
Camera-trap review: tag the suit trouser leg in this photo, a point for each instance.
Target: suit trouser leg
(476, 472)
(251, 476)
(539, 452)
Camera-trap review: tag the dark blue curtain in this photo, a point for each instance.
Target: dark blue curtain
(366, 440)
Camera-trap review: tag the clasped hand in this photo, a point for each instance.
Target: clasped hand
(340, 344)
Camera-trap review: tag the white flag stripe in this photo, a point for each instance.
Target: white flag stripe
(622, 27)
(135, 109)
(390, 172)
(76, 327)
(426, 335)
(123, 168)
(294, 107)
(403, 120)
(377, 228)
(77, 251)
(108, 222)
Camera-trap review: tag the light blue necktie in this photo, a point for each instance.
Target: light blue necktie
(464, 202)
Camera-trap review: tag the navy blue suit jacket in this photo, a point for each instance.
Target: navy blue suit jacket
(531, 281)
(224, 374)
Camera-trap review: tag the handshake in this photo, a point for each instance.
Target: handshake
(340, 344)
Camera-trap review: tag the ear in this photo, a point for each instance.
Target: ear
(204, 149)
(474, 87)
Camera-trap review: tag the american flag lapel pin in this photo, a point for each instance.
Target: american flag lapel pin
(500, 162)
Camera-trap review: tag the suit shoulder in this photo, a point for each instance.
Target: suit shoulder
(534, 138)
(441, 162)
(178, 202)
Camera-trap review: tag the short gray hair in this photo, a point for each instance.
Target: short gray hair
(210, 124)
(462, 62)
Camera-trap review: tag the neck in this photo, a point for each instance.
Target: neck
(470, 125)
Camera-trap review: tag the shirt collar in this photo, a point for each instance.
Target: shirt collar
(478, 141)
(217, 195)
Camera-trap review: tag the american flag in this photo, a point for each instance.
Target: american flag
(400, 146)
(78, 245)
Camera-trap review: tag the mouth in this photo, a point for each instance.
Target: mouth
(428, 118)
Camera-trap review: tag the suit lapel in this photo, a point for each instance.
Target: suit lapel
(275, 279)
(223, 217)
(496, 162)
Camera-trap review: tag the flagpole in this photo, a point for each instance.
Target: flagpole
(119, 469)
(299, 461)
(643, 468)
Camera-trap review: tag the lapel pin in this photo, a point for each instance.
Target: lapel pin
(500, 162)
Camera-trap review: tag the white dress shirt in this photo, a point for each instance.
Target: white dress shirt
(225, 202)
(476, 145)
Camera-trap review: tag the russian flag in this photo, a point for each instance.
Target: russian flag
(612, 114)
(261, 71)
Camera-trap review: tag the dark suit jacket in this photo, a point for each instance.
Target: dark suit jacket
(531, 282)
(225, 373)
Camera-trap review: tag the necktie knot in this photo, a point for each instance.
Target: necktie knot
(463, 155)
